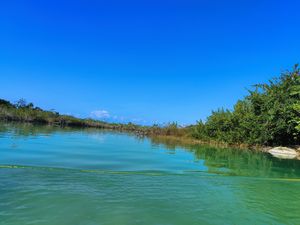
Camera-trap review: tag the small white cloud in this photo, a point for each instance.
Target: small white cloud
(100, 114)
(106, 116)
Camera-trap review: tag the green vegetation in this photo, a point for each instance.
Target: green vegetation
(268, 115)
(22, 111)
(26, 112)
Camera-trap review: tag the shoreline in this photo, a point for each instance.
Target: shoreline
(145, 132)
(242, 147)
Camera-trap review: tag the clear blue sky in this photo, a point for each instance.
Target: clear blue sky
(144, 61)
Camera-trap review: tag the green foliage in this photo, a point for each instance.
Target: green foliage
(269, 115)
(199, 131)
(26, 112)
(170, 129)
(4, 103)
(296, 94)
(219, 125)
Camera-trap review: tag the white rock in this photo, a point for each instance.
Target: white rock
(283, 153)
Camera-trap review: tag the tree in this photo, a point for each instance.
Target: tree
(21, 103)
(296, 93)
(5, 103)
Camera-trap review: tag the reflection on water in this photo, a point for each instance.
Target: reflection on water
(72, 176)
(239, 162)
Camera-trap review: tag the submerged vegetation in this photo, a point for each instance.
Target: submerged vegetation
(268, 115)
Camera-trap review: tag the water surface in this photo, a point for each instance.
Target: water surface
(87, 176)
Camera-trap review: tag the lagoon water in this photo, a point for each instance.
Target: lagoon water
(87, 176)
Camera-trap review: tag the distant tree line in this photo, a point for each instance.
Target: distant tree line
(22, 111)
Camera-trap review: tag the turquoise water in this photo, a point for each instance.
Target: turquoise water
(74, 176)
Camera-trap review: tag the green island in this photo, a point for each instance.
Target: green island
(268, 116)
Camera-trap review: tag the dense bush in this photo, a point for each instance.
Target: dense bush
(268, 115)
